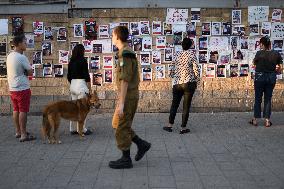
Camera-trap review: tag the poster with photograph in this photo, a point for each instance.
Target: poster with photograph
(134, 28)
(167, 29)
(95, 63)
(216, 28)
(206, 28)
(221, 71)
(147, 74)
(218, 43)
(73, 44)
(137, 43)
(200, 70)
(78, 30)
(195, 14)
(227, 28)
(253, 29)
(63, 57)
(238, 30)
(160, 72)
(277, 30)
(112, 26)
(171, 70)
(37, 57)
(125, 24)
(210, 71)
(236, 16)
(177, 38)
(103, 31)
(145, 58)
(254, 43)
(244, 70)
(108, 76)
(90, 30)
(17, 26)
(156, 57)
(203, 57)
(58, 70)
(4, 26)
(277, 44)
(107, 62)
(224, 58)
(265, 28)
(47, 70)
(88, 46)
(38, 28)
(161, 42)
(97, 47)
(168, 55)
(239, 54)
(279, 73)
(48, 33)
(177, 16)
(243, 42)
(144, 27)
(258, 14)
(193, 45)
(30, 39)
(234, 42)
(276, 15)
(61, 34)
(191, 29)
(3, 67)
(156, 28)
(46, 48)
(3, 45)
(234, 70)
(203, 43)
(130, 41)
(213, 57)
(97, 79)
(147, 43)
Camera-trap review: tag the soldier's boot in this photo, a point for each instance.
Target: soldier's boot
(124, 162)
(142, 145)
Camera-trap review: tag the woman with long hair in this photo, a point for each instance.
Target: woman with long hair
(267, 62)
(79, 79)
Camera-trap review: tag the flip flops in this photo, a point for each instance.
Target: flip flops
(267, 123)
(19, 135)
(27, 138)
(253, 122)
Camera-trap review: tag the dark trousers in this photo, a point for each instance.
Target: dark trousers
(185, 90)
(264, 84)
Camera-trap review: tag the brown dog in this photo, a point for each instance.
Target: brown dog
(75, 110)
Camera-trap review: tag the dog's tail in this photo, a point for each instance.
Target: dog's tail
(45, 125)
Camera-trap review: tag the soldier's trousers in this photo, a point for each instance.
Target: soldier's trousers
(124, 132)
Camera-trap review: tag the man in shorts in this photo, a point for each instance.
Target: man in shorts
(18, 69)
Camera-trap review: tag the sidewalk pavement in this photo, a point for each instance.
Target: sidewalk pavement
(222, 151)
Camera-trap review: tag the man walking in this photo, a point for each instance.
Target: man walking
(127, 79)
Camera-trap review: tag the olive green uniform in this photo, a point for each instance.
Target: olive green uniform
(127, 70)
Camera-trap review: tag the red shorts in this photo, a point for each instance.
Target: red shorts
(21, 100)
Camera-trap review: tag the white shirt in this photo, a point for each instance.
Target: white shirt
(186, 68)
(17, 64)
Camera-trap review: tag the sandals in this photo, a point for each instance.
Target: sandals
(19, 135)
(28, 138)
(169, 129)
(267, 123)
(183, 131)
(253, 122)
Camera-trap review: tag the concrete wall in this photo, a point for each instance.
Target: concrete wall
(228, 94)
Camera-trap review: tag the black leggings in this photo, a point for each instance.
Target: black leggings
(185, 90)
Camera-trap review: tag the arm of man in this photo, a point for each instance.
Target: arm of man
(27, 66)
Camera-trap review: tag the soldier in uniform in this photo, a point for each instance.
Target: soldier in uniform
(127, 80)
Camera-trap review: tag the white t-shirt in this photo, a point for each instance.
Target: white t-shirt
(17, 64)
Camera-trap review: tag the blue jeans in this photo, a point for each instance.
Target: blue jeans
(264, 83)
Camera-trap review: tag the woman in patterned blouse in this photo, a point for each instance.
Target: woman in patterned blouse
(184, 83)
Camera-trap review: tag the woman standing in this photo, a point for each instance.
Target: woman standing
(266, 64)
(78, 76)
(184, 83)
